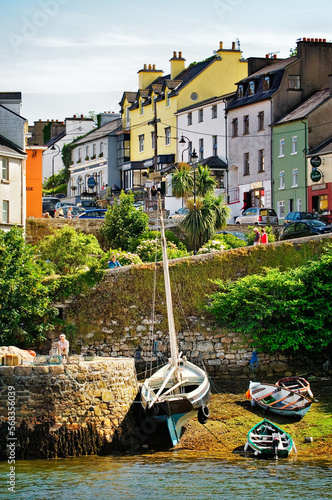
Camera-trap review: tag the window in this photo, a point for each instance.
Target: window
(298, 205)
(189, 119)
(266, 83)
(152, 140)
(5, 211)
(141, 143)
(282, 180)
(294, 82)
(295, 181)
(240, 91)
(94, 151)
(261, 161)
(127, 117)
(141, 108)
(281, 209)
(201, 149)
(101, 149)
(251, 88)
(87, 152)
(200, 115)
(79, 154)
(168, 102)
(246, 164)
(281, 148)
(261, 120)
(214, 145)
(294, 145)
(235, 127)
(168, 136)
(4, 169)
(246, 124)
(214, 111)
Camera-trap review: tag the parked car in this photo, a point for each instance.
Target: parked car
(257, 215)
(304, 228)
(293, 216)
(97, 213)
(48, 206)
(179, 214)
(87, 204)
(62, 204)
(52, 199)
(75, 211)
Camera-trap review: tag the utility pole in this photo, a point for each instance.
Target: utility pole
(154, 122)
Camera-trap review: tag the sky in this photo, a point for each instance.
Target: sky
(75, 56)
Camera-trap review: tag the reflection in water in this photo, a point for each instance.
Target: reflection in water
(173, 475)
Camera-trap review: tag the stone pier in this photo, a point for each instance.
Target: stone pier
(73, 409)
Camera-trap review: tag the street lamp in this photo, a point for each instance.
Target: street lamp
(194, 160)
(53, 148)
(183, 141)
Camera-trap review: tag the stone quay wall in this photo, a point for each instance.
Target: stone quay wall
(72, 409)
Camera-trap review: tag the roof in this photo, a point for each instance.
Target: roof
(9, 147)
(96, 134)
(211, 100)
(56, 138)
(322, 149)
(11, 111)
(306, 107)
(214, 162)
(270, 68)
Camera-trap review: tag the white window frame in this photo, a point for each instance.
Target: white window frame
(214, 145)
(152, 140)
(251, 87)
(214, 111)
(201, 149)
(261, 160)
(281, 209)
(141, 108)
(101, 149)
(5, 211)
(200, 115)
(79, 154)
(298, 205)
(94, 149)
(141, 143)
(168, 136)
(294, 145)
(168, 99)
(295, 174)
(294, 82)
(4, 169)
(282, 179)
(281, 148)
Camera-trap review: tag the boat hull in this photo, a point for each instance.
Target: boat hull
(278, 400)
(296, 384)
(176, 407)
(267, 440)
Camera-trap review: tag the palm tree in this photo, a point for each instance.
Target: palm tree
(201, 223)
(205, 182)
(182, 181)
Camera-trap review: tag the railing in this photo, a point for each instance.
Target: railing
(233, 194)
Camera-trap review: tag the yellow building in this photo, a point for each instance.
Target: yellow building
(150, 112)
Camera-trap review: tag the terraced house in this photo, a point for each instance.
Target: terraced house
(149, 114)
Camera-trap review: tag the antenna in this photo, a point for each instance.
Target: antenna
(238, 47)
(272, 54)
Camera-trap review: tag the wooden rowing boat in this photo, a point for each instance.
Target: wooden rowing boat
(268, 440)
(296, 384)
(279, 400)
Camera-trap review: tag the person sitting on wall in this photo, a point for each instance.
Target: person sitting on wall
(113, 262)
(63, 345)
(115, 188)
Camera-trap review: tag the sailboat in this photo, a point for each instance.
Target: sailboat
(179, 390)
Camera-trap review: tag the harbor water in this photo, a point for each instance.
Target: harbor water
(172, 475)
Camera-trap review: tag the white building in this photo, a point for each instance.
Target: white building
(52, 158)
(13, 128)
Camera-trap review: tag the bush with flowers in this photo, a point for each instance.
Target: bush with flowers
(125, 258)
(150, 250)
(211, 246)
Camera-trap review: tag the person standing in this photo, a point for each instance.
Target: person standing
(63, 345)
(264, 236)
(69, 213)
(257, 238)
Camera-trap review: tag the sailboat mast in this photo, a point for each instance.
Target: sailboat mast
(171, 326)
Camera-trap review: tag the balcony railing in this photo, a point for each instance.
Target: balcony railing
(233, 194)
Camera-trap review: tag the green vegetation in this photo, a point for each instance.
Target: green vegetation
(124, 222)
(280, 310)
(25, 308)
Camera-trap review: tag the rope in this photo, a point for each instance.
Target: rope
(153, 304)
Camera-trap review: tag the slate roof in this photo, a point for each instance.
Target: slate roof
(7, 146)
(306, 107)
(214, 162)
(211, 100)
(324, 148)
(96, 134)
(56, 138)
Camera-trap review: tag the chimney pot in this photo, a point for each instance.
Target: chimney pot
(82, 116)
(73, 117)
(180, 55)
(144, 67)
(304, 39)
(233, 45)
(174, 54)
(324, 40)
(221, 45)
(150, 67)
(316, 39)
(274, 56)
(153, 66)
(267, 56)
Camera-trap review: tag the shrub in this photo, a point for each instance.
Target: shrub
(150, 250)
(125, 258)
(211, 246)
(230, 241)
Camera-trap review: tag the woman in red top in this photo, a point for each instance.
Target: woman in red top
(264, 237)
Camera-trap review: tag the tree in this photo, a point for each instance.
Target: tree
(69, 251)
(280, 310)
(202, 221)
(25, 305)
(205, 183)
(182, 181)
(124, 222)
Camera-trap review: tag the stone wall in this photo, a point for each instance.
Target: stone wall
(73, 409)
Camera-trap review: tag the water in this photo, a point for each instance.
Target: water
(173, 475)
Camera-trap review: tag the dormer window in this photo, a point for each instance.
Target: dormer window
(240, 91)
(141, 109)
(168, 102)
(251, 88)
(266, 83)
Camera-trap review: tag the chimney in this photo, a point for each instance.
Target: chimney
(221, 45)
(233, 46)
(177, 65)
(147, 75)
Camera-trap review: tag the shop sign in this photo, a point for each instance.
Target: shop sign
(315, 161)
(318, 187)
(91, 182)
(315, 175)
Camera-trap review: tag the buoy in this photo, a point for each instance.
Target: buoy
(308, 439)
(203, 414)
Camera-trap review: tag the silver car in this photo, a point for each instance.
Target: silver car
(256, 215)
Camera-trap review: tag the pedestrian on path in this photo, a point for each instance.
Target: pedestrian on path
(257, 238)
